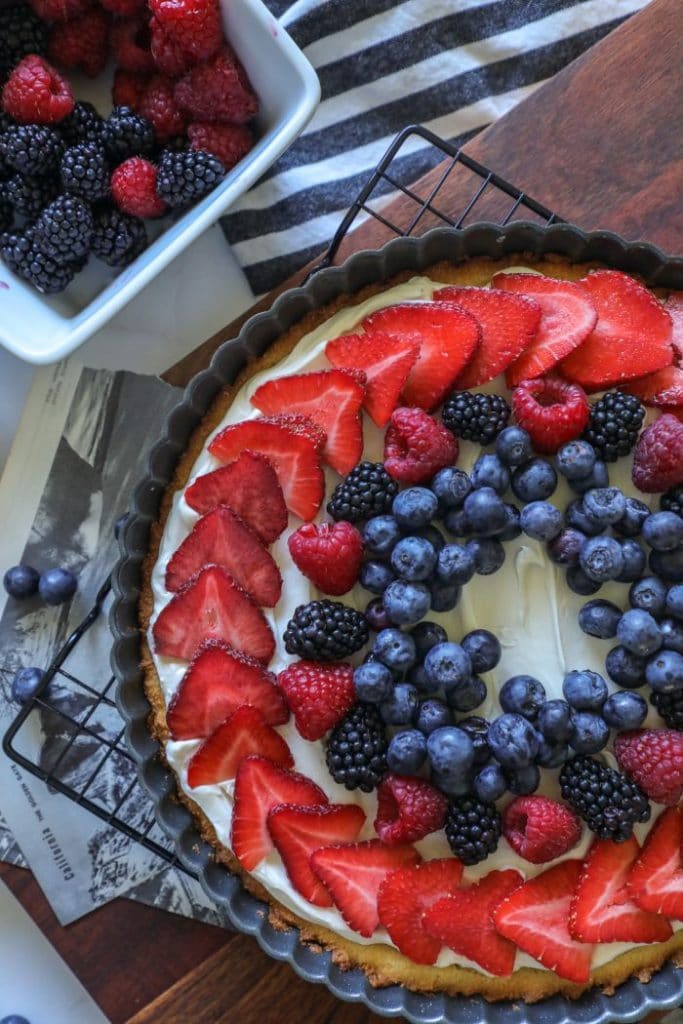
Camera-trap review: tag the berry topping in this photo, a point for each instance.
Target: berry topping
(82, 42)
(656, 879)
(228, 142)
(476, 417)
(540, 829)
(325, 631)
(194, 25)
(244, 733)
(669, 706)
(664, 387)
(133, 186)
(472, 828)
(408, 809)
(609, 802)
(654, 759)
(385, 360)
(367, 491)
(416, 446)
(329, 555)
(357, 749)
(674, 307)
(405, 895)
(614, 424)
(318, 695)
(36, 94)
(552, 411)
(658, 456)
(217, 90)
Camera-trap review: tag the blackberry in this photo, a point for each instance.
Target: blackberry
(85, 171)
(472, 828)
(475, 416)
(367, 491)
(672, 500)
(357, 749)
(64, 229)
(29, 195)
(127, 134)
(118, 238)
(21, 32)
(6, 210)
(32, 149)
(83, 124)
(670, 707)
(608, 801)
(26, 259)
(614, 425)
(184, 177)
(325, 631)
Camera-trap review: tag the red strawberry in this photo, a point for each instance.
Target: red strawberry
(656, 879)
(463, 921)
(654, 759)
(329, 555)
(218, 681)
(332, 399)
(259, 786)
(552, 411)
(536, 917)
(246, 732)
(405, 895)
(567, 318)
(318, 695)
(658, 456)
(601, 910)
(631, 338)
(663, 387)
(249, 486)
(416, 446)
(540, 829)
(353, 874)
(292, 453)
(674, 307)
(408, 809)
(212, 606)
(221, 538)
(299, 831)
(447, 337)
(508, 326)
(386, 362)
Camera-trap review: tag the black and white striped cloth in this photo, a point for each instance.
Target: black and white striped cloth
(451, 65)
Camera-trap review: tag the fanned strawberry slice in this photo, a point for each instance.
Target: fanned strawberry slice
(246, 732)
(293, 449)
(656, 879)
(299, 831)
(631, 338)
(259, 786)
(567, 318)
(601, 908)
(386, 362)
(353, 874)
(463, 921)
(536, 917)
(212, 606)
(221, 538)
(663, 387)
(405, 895)
(447, 337)
(332, 399)
(249, 486)
(218, 681)
(508, 325)
(674, 307)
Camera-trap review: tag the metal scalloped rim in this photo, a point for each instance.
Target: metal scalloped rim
(632, 1000)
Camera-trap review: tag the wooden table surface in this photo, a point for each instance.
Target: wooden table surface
(602, 145)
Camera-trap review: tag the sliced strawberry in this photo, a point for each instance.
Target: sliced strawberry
(656, 879)
(353, 874)
(447, 337)
(318, 695)
(246, 732)
(405, 895)
(294, 455)
(567, 318)
(508, 325)
(259, 786)
(674, 307)
(601, 908)
(386, 362)
(536, 917)
(221, 538)
(299, 831)
(663, 387)
(332, 399)
(463, 921)
(212, 606)
(220, 680)
(249, 486)
(631, 338)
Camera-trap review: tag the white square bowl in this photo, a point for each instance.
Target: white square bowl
(42, 329)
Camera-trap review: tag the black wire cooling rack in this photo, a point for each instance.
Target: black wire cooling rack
(88, 760)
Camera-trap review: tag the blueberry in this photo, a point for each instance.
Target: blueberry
(489, 471)
(672, 635)
(631, 523)
(21, 581)
(477, 729)
(522, 695)
(625, 668)
(674, 601)
(468, 695)
(638, 632)
(431, 534)
(488, 554)
(373, 682)
(579, 583)
(590, 732)
(414, 507)
(26, 683)
(485, 511)
(668, 564)
(664, 671)
(625, 710)
(376, 615)
(380, 534)
(400, 707)
(541, 520)
(433, 714)
(406, 603)
(513, 741)
(375, 576)
(663, 531)
(14, 1018)
(513, 526)
(649, 594)
(551, 755)
(445, 596)
(413, 559)
(578, 519)
(446, 665)
(604, 504)
(417, 677)
(427, 635)
(450, 751)
(575, 459)
(535, 480)
(555, 721)
(490, 783)
(525, 780)
(599, 618)
(407, 752)
(455, 564)
(57, 586)
(584, 690)
(452, 785)
(513, 446)
(451, 486)
(564, 549)
(634, 561)
(483, 648)
(119, 525)
(598, 477)
(457, 523)
(601, 559)
(395, 649)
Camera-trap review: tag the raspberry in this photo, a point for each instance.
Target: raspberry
(552, 411)
(658, 456)
(36, 94)
(83, 124)
(133, 186)
(82, 43)
(21, 33)
(127, 134)
(127, 88)
(31, 149)
(217, 91)
(29, 195)
(158, 105)
(124, 8)
(130, 40)
(416, 446)
(408, 809)
(540, 829)
(329, 555)
(194, 25)
(654, 759)
(118, 238)
(187, 176)
(229, 142)
(64, 229)
(59, 10)
(318, 695)
(169, 57)
(85, 171)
